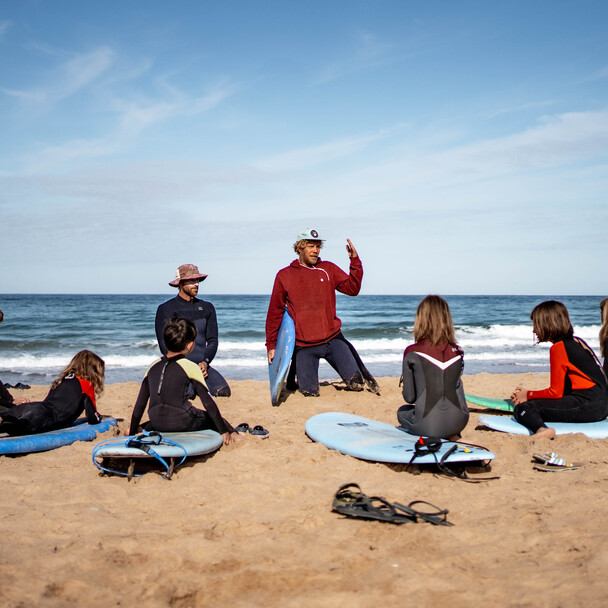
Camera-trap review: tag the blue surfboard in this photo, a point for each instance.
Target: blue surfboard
(380, 442)
(277, 370)
(505, 405)
(507, 424)
(41, 442)
(190, 443)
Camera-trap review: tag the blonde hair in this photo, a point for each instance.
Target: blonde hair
(551, 321)
(88, 366)
(298, 246)
(434, 322)
(604, 328)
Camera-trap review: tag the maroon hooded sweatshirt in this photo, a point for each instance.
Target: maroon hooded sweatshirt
(309, 292)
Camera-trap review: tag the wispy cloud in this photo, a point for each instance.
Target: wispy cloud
(132, 118)
(369, 51)
(68, 77)
(519, 108)
(4, 25)
(304, 158)
(597, 75)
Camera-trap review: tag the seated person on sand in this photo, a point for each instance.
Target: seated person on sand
(432, 369)
(187, 306)
(6, 399)
(73, 392)
(578, 391)
(604, 333)
(166, 388)
(307, 287)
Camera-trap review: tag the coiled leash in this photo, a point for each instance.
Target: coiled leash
(431, 445)
(144, 442)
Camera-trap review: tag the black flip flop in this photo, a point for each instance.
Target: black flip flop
(242, 428)
(259, 431)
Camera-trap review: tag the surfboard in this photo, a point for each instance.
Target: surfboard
(81, 430)
(380, 442)
(277, 370)
(507, 424)
(194, 443)
(505, 405)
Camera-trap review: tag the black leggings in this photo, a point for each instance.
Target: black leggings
(582, 406)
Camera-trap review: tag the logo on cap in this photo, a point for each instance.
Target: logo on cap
(314, 233)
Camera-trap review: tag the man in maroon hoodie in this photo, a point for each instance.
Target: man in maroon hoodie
(308, 288)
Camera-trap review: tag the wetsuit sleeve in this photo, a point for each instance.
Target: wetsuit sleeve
(140, 406)
(409, 382)
(195, 375)
(221, 425)
(351, 283)
(90, 408)
(211, 335)
(558, 361)
(6, 399)
(276, 309)
(159, 325)
(606, 357)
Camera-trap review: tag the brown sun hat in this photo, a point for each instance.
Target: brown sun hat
(187, 272)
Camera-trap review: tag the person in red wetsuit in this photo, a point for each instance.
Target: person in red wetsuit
(578, 391)
(307, 287)
(74, 391)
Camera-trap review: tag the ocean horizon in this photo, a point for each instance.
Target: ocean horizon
(41, 332)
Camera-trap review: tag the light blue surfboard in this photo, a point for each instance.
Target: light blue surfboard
(380, 442)
(277, 370)
(41, 442)
(194, 443)
(505, 405)
(507, 424)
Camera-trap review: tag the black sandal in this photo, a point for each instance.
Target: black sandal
(352, 502)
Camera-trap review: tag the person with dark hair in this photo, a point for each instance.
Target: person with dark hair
(187, 306)
(432, 370)
(578, 391)
(72, 392)
(165, 389)
(604, 333)
(307, 287)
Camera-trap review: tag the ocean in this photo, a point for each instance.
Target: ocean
(41, 333)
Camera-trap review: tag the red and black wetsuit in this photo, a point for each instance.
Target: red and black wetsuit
(578, 391)
(59, 409)
(166, 387)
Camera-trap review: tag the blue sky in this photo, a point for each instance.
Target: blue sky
(462, 146)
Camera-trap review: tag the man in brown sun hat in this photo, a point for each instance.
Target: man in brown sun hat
(186, 305)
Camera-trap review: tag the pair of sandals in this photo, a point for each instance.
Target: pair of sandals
(258, 430)
(550, 461)
(352, 502)
(18, 385)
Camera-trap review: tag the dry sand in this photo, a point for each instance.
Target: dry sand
(252, 524)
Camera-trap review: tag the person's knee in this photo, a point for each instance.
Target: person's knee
(355, 383)
(223, 391)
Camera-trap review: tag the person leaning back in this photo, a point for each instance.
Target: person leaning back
(307, 287)
(186, 305)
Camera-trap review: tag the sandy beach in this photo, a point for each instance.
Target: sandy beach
(251, 525)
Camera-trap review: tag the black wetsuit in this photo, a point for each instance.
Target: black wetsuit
(203, 315)
(6, 399)
(166, 387)
(606, 356)
(432, 381)
(59, 409)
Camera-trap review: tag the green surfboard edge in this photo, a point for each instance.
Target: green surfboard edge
(504, 405)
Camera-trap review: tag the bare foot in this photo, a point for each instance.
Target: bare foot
(545, 433)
